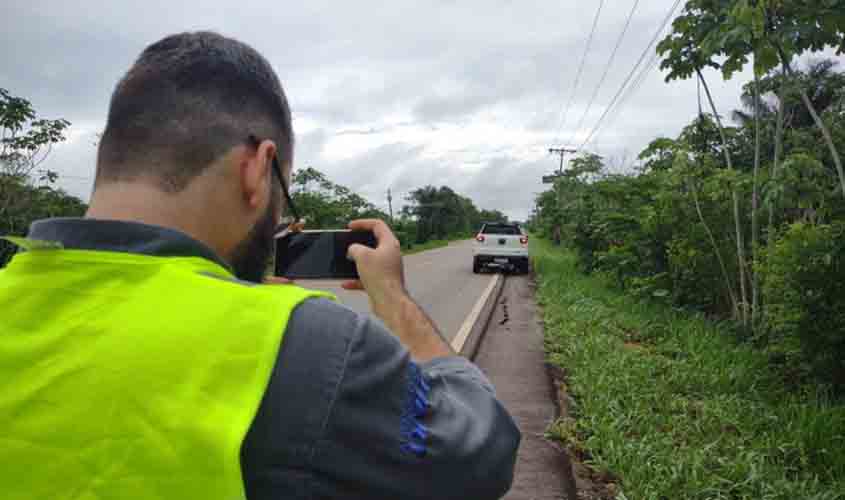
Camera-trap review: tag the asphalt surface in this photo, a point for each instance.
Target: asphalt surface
(439, 280)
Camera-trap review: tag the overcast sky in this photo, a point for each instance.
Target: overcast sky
(398, 94)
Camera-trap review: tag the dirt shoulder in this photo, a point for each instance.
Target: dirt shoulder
(512, 356)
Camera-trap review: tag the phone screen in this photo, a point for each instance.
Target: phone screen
(319, 254)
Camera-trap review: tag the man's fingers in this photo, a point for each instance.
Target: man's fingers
(364, 224)
(355, 251)
(379, 228)
(277, 280)
(352, 285)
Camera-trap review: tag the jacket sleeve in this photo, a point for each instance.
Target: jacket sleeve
(396, 429)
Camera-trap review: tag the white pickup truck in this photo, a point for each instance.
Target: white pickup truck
(500, 244)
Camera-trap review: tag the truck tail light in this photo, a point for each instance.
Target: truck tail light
(480, 238)
(524, 240)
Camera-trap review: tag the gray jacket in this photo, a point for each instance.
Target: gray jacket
(347, 413)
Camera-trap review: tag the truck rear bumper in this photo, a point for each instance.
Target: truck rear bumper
(517, 260)
(501, 252)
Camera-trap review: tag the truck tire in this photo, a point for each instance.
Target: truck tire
(524, 266)
(476, 266)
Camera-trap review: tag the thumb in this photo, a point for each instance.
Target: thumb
(356, 251)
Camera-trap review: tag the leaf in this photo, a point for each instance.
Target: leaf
(766, 59)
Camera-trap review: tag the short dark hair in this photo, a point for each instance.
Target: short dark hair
(187, 100)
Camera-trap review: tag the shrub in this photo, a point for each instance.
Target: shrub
(21, 203)
(696, 277)
(804, 292)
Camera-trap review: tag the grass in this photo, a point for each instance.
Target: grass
(673, 406)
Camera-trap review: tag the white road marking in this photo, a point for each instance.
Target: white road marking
(461, 338)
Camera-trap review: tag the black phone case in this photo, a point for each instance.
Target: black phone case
(288, 253)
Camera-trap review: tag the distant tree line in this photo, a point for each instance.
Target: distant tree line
(430, 213)
(326, 205)
(441, 213)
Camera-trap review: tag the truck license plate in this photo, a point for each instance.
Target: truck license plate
(500, 261)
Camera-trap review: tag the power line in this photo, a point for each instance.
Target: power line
(606, 71)
(565, 113)
(639, 62)
(655, 60)
(629, 92)
(626, 90)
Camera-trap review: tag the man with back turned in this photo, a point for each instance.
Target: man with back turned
(141, 357)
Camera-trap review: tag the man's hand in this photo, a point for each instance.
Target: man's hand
(383, 278)
(380, 268)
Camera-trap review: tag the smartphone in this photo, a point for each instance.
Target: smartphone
(319, 254)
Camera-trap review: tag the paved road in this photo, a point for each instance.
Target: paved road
(440, 280)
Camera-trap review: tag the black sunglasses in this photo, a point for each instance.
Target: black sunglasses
(286, 224)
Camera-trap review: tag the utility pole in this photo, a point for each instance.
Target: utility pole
(551, 179)
(562, 152)
(390, 205)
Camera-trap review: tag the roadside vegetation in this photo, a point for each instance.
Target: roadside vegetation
(742, 221)
(672, 405)
(696, 301)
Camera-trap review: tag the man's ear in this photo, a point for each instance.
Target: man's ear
(255, 169)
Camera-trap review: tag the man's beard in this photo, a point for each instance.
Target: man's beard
(253, 255)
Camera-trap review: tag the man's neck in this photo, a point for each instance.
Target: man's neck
(138, 202)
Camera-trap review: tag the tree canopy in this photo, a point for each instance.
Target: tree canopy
(27, 193)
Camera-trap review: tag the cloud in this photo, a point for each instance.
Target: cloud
(384, 94)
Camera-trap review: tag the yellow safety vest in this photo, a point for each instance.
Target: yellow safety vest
(129, 376)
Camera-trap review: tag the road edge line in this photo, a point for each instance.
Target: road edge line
(460, 343)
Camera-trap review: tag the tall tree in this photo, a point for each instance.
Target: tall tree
(442, 213)
(25, 139)
(327, 205)
(687, 50)
(799, 26)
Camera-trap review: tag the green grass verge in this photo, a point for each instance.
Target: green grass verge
(673, 406)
